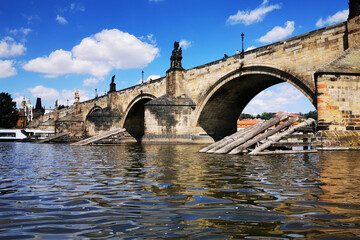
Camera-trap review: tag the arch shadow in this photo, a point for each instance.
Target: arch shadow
(133, 120)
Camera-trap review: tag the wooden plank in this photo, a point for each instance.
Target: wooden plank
(269, 123)
(292, 144)
(219, 144)
(302, 135)
(277, 138)
(99, 137)
(48, 139)
(286, 152)
(261, 137)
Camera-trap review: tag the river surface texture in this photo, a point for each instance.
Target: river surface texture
(172, 192)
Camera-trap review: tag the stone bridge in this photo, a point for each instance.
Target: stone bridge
(202, 104)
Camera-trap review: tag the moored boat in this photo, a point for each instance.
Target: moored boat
(10, 135)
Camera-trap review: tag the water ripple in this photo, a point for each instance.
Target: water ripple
(162, 191)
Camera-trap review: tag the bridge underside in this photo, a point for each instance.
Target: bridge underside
(219, 116)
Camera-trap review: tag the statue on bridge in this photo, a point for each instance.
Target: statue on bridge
(354, 8)
(113, 84)
(176, 57)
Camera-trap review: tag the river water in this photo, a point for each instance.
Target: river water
(56, 191)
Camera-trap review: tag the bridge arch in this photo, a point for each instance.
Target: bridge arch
(94, 109)
(221, 105)
(133, 118)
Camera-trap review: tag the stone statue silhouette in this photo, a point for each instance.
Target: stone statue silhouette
(354, 8)
(176, 45)
(112, 84)
(176, 57)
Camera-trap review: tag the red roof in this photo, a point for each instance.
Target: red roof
(246, 123)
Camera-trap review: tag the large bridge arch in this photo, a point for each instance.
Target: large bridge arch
(133, 118)
(221, 105)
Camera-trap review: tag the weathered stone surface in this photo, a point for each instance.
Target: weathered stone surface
(338, 87)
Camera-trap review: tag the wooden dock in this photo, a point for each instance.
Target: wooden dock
(99, 137)
(274, 136)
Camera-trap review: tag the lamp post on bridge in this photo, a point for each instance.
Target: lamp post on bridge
(242, 48)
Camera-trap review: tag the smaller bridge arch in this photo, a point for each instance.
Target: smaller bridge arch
(94, 109)
(222, 103)
(133, 118)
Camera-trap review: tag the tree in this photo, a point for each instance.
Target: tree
(311, 114)
(265, 115)
(8, 112)
(246, 116)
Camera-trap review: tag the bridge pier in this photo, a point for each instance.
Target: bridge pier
(338, 100)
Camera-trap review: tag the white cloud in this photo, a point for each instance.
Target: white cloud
(250, 48)
(50, 95)
(7, 69)
(151, 38)
(97, 55)
(63, 62)
(249, 17)
(153, 77)
(340, 16)
(278, 33)
(9, 48)
(74, 7)
(22, 30)
(148, 79)
(18, 101)
(44, 92)
(91, 82)
(282, 97)
(69, 95)
(33, 18)
(61, 19)
(185, 44)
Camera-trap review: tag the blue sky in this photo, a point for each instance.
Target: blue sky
(50, 48)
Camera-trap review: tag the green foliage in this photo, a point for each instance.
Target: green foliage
(265, 115)
(311, 114)
(8, 112)
(246, 116)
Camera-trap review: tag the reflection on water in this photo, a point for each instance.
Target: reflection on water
(171, 191)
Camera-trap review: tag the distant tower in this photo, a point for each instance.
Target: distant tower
(39, 110)
(354, 8)
(23, 106)
(77, 97)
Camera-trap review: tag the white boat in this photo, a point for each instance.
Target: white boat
(39, 134)
(9, 135)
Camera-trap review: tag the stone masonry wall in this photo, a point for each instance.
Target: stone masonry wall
(338, 102)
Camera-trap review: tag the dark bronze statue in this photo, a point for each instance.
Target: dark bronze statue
(354, 8)
(176, 57)
(112, 84)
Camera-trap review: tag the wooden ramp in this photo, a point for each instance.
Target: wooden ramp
(57, 136)
(99, 137)
(264, 136)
